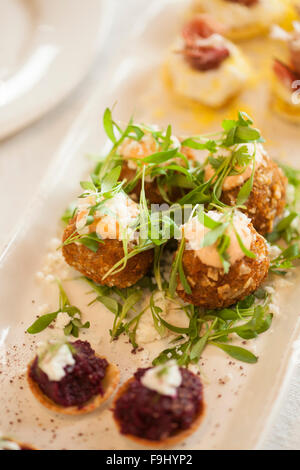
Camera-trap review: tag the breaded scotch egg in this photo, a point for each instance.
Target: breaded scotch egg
(267, 199)
(245, 19)
(211, 287)
(204, 66)
(113, 223)
(132, 152)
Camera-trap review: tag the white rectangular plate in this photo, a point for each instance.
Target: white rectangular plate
(239, 410)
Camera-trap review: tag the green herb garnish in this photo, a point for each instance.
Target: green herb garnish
(72, 328)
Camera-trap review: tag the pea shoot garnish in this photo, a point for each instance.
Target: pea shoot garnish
(190, 186)
(72, 328)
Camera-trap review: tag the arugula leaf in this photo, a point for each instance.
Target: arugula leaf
(175, 329)
(110, 180)
(156, 311)
(209, 145)
(285, 259)
(110, 303)
(228, 124)
(88, 186)
(178, 353)
(284, 229)
(161, 157)
(69, 213)
(41, 323)
(175, 268)
(64, 307)
(247, 252)
(284, 223)
(108, 125)
(247, 134)
(135, 132)
(213, 235)
(183, 279)
(90, 242)
(237, 352)
(246, 189)
(208, 222)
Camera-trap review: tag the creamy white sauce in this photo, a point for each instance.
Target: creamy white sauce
(211, 87)
(236, 16)
(117, 223)
(124, 215)
(164, 379)
(53, 364)
(280, 34)
(62, 320)
(194, 232)
(236, 180)
(293, 37)
(83, 206)
(132, 150)
(6, 444)
(214, 40)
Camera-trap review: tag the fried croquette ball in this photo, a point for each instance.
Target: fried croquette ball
(112, 228)
(268, 196)
(152, 192)
(211, 287)
(132, 151)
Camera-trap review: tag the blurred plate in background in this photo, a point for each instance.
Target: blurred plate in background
(46, 48)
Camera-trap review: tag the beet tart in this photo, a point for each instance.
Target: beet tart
(70, 378)
(159, 406)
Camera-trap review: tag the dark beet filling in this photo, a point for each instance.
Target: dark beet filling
(147, 414)
(81, 382)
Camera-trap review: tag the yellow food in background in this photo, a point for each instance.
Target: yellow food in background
(259, 26)
(212, 88)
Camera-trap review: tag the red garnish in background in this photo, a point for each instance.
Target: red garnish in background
(295, 56)
(285, 74)
(246, 3)
(203, 57)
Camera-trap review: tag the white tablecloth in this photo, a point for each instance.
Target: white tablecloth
(25, 157)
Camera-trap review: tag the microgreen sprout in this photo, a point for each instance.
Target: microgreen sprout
(178, 176)
(75, 324)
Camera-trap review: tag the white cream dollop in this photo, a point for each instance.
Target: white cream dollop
(293, 37)
(119, 224)
(133, 150)
(164, 379)
(236, 180)
(62, 320)
(115, 221)
(194, 233)
(54, 363)
(214, 40)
